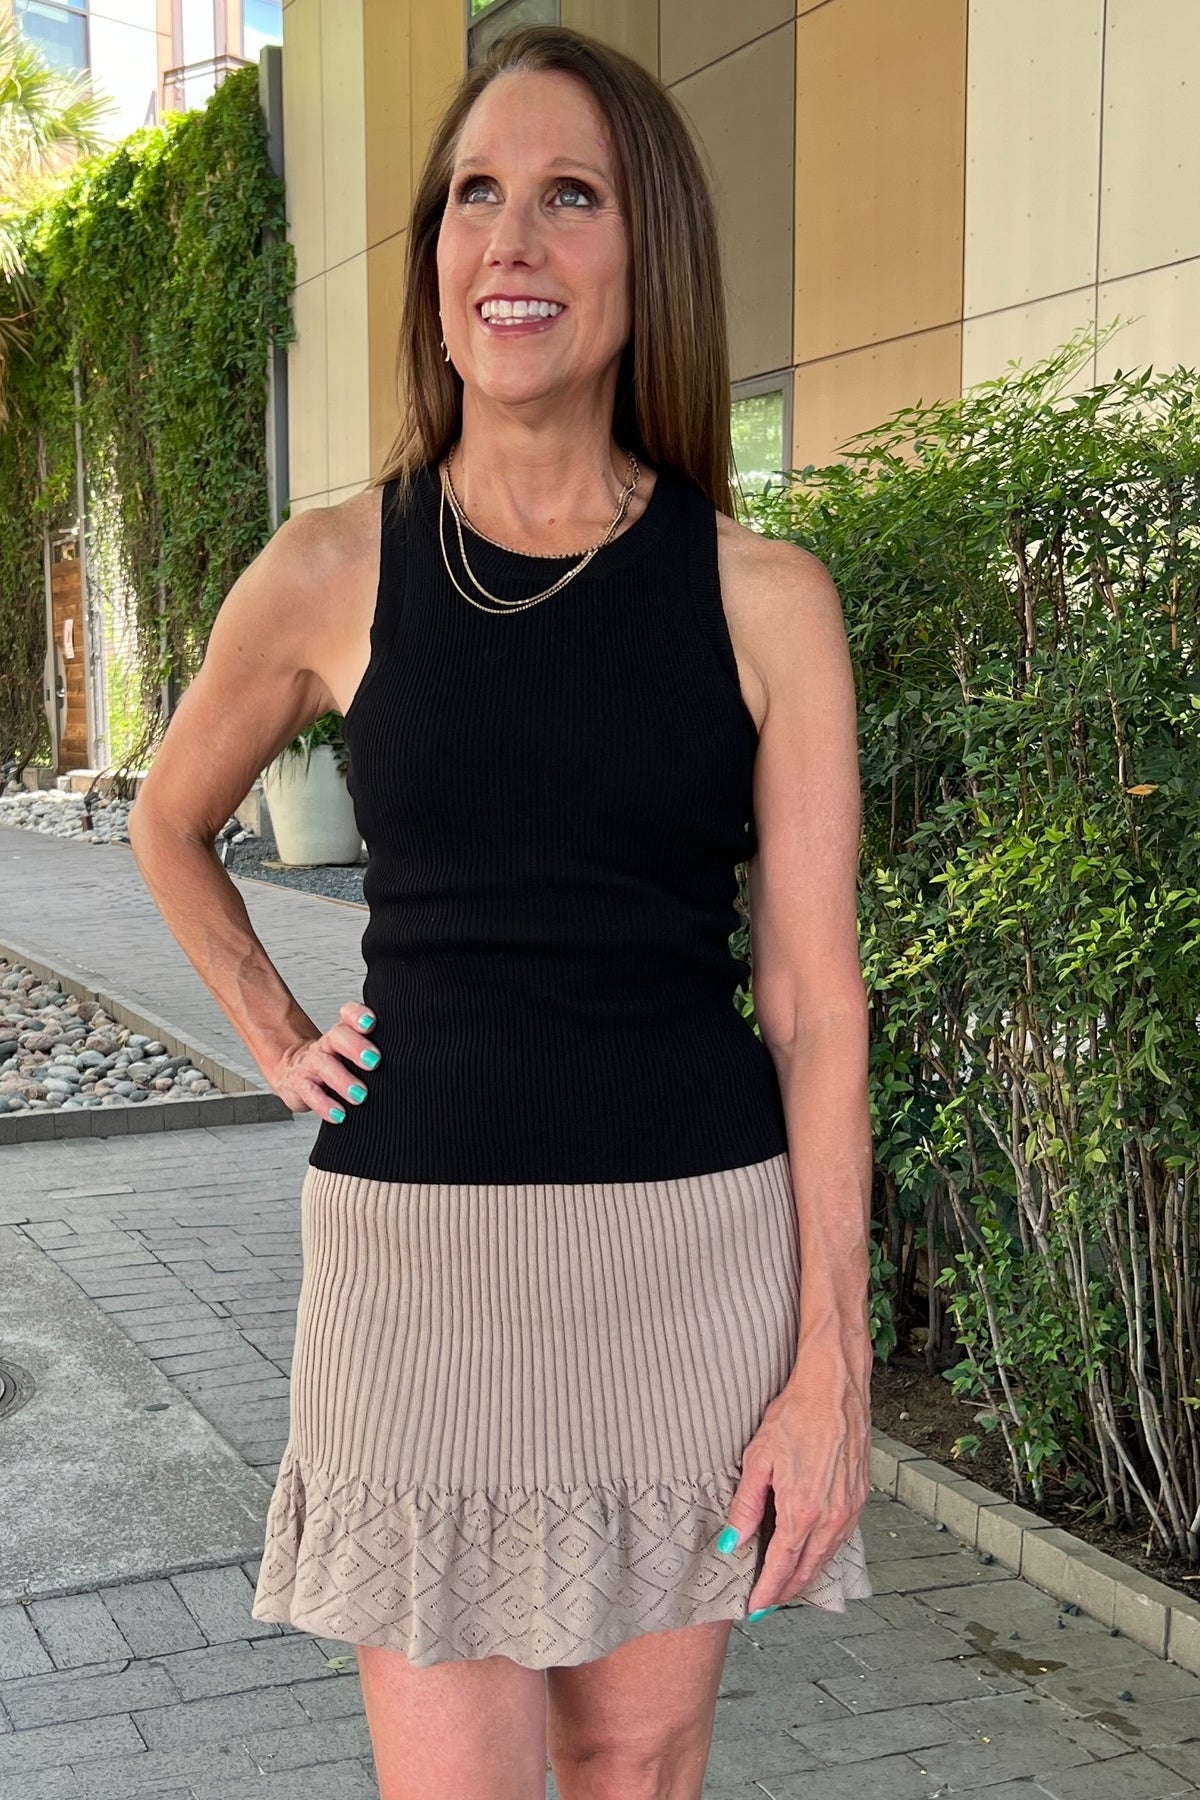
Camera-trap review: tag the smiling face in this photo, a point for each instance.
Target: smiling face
(532, 224)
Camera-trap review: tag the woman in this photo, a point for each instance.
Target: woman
(567, 1399)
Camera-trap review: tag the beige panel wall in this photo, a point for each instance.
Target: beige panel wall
(695, 33)
(1149, 215)
(742, 113)
(1163, 310)
(1033, 150)
(842, 395)
(1025, 334)
(880, 109)
(1082, 172)
(632, 25)
(415, 53)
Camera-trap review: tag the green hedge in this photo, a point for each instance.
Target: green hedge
(161, 271)
(1020, 571)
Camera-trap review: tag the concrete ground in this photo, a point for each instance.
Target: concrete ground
(957, 1675)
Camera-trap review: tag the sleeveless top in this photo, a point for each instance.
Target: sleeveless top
(554, 802)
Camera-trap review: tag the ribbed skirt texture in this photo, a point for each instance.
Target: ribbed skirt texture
(518, 1412)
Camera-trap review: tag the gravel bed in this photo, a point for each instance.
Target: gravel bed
(59, 1053)
(58, 814)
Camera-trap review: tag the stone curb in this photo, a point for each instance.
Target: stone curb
(1157, 1617)
(240, 1102)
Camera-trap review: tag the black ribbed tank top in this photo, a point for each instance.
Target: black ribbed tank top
(554, 802)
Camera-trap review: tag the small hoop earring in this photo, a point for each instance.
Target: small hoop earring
(446, 358)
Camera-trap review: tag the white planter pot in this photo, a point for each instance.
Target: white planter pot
(312, 814)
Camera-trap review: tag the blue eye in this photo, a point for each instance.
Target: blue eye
(473, 184)
(577, 187)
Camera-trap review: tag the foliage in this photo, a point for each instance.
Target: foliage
(161, 273)
(1020, 571)
(43, 112)
(325, 730)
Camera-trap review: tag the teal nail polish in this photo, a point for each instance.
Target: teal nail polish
(357, 1092)
(727, 1540)
(760, 1614)
(366, 1019)
(370, 1057)
(337, 1114)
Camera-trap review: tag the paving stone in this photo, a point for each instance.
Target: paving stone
(156, 1772)
(338, 1698)
(52, 1746)
(152, 1618)
(229, 1718)
(220, 1600)
(942, 1680)
(979, 1764)
(748, 1712)
(872, 1778)
(308, 1744)
(1006, 1715)
(239, 1668)
(77, 1630)
(773, 1753)
(335, 1781)
(917, 1574)
(893, 1649)
(1132, 1777)
(232, 1355)
(1155, 1725)
(1184, 1759)
(21, 1652)
(59, 1698)
(857, 1737)
(1098, 1685)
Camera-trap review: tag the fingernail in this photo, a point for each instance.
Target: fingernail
(357, 1093)
(370, 1057)
(727, 1540)
(760, 1614)
(365, 1019)
(337, 1114)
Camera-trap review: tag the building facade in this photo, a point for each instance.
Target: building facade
(911, 192)
(148, 56)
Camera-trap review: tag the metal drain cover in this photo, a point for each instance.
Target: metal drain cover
(16, 1387)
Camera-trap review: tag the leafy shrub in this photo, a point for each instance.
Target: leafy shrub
(1020, 570)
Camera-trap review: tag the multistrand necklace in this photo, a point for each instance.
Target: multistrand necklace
(461, 519)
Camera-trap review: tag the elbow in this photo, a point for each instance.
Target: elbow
(793, 1022)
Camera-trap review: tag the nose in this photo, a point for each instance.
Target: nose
(514, 237)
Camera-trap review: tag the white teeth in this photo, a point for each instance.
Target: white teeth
(510, 311)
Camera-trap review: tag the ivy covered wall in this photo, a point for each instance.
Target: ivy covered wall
(162, 274)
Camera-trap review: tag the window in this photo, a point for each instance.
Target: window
(490, 20)
(59, 31)
(262, 23)
(762, 429)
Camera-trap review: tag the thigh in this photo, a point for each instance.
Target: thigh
(463, 1730)
(648, 1703)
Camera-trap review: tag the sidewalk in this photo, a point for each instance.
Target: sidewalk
(956, 1676)
(86, 904)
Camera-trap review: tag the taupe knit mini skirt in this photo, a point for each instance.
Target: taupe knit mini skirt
(518, 1413)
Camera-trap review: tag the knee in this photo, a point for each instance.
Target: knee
(669, 1768)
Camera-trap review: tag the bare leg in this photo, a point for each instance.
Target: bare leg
(462, 1730)
(637, 1724)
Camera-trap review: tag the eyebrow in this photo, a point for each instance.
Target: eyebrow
(558, 162)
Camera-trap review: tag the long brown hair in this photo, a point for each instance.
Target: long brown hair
(672, 400)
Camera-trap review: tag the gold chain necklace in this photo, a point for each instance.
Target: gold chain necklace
(460, 519)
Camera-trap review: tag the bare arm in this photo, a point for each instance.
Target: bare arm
(256, 690)
(809, 997)
(813, 1445)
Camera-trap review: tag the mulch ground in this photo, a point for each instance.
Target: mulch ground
(921, 1409)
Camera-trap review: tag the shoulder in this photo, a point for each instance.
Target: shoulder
(322, 540)
(783, 608)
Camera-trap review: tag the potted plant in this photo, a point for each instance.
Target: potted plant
(312, 814)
